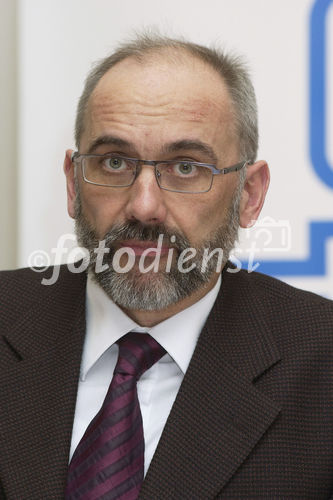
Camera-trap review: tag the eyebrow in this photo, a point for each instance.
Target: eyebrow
(193, 145)
(109, 140)
(172, 147)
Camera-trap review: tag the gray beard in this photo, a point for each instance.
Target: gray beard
(155, 290)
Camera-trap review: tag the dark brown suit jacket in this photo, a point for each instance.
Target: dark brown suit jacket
(253, 418)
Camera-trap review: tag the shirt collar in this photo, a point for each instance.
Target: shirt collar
(107, 323)
(179, 333)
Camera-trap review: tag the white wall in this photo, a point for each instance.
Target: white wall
(8, 126)
(60, 39)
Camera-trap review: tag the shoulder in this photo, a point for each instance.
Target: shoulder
(39, 279)
(21, 289)
(272, 290)
(294, 317)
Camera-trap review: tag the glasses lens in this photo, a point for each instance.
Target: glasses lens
(185, 177)
(108, 170)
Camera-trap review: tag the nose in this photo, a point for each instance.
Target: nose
(146, 199)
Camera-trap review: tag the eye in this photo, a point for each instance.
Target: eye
(184, 168)
(114, 163)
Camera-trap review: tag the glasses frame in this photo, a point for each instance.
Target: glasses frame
(77, 158)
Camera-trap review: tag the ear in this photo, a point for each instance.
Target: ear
(254, 193)
(70, 182)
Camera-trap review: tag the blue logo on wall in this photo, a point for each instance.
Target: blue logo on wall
(319, 231)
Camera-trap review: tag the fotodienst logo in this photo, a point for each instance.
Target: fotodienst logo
(268, 235)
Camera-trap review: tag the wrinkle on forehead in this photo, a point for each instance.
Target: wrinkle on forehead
(192, 109)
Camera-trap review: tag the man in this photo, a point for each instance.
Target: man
(237, 404)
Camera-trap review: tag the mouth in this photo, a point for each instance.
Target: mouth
(148, 248)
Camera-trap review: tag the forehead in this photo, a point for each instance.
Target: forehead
(160, 96)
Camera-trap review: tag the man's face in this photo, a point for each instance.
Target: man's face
(160, 110)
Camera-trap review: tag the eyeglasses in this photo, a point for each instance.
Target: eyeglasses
(180, 176)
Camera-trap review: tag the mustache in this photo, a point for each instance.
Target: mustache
(134, 230)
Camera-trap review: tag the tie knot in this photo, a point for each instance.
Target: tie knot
(137, 353)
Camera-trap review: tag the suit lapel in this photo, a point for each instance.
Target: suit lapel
(219, 415)
(38, 390)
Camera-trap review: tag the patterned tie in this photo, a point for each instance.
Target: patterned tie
(108, 463)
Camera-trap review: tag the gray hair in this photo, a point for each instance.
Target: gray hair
(231, 68)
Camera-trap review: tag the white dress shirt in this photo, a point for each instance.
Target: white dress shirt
(158, 386)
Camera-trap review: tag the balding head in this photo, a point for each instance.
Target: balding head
(147, 48)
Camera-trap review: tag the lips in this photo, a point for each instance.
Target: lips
(149, 248)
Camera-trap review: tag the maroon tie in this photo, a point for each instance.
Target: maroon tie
(108, 462)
